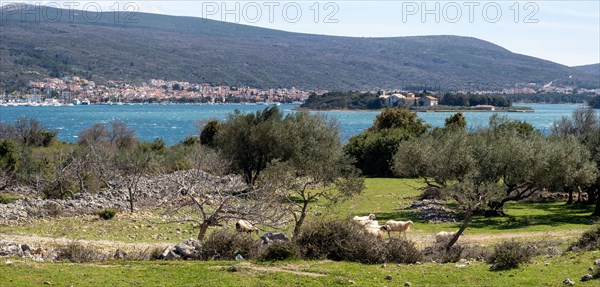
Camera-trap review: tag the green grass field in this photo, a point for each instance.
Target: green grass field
(540, 272)
(556, 223)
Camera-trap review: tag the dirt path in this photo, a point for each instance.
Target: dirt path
(38, 241)
(287, 268)
(421, 238)
(486, 239)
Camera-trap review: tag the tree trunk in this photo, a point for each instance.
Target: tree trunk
(597, 208)
(579, 200)
(300, 220)
(202, 232)
(130, 200)
(570, 200)
(460, 231)
(592, 193)
(496, 208)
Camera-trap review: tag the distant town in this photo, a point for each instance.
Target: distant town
(80, 91)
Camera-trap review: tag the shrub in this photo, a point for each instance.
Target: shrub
(589, 240)
(280, 250)
(224, 245)
(401, 251)
(156, 254)
(432, 193)
(78, 253)
(107, 213)
(596, 274)
(508, 255)
(339, 240)
(6, 198)
(438, 253)
(190, 141)
(143, 253)
(60, 189)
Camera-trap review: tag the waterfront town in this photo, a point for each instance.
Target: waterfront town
(76, 90)
(80, 91)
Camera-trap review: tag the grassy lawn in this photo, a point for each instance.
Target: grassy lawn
(125, 227)
(541, 272)
(387, 198)
(391, 199)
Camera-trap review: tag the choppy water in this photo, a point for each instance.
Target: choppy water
(174, 122)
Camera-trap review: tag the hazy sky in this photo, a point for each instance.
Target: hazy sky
(566, 32)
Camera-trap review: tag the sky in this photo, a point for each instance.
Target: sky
(566, 32)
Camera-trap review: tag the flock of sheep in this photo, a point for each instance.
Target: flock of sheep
(373, 228)
(370, 225)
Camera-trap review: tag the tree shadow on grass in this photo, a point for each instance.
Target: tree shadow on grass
(554, 215)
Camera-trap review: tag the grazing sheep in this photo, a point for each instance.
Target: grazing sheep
(364, 220)
(400, 226)
(245, 226)
(374, 229)
(444, 236)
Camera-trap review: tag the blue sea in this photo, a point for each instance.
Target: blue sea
(172, 123)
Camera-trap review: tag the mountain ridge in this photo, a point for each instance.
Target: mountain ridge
(207, 51)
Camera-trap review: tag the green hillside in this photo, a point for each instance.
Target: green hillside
(200, 50)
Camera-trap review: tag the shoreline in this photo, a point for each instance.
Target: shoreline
(530, 110)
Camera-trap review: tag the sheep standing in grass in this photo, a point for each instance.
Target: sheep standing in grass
(364, 220)
(444, 236)
(245, 226)
(400, 226)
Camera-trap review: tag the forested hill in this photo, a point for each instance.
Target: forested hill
(590, 70)
(205, 51)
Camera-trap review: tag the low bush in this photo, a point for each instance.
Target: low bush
(156, 253)
(589, 240)
(107, 213)
(596, 274)
(59, 189)
(225, 245)
(401, 251)
(143, 253)
(6, 198)
(508, 255)
(339, 240)
(78, 253)
(432, 193)
(280, 250)
(438, 253)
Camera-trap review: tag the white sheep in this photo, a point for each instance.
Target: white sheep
(444, 236)
(364, 220)
(374, 229)
(395, 225)
(245, 226)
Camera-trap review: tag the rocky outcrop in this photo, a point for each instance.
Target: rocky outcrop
(434, 211)
(161, 190)
(269, 237)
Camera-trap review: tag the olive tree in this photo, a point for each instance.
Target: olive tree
(486, 169)
(374, 149)
(316, 166)
(9, 163)
(249, 142)
(216, 198)
(584, 125)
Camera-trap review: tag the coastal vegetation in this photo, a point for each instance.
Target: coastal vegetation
(343, 101)
(471, 100)
(594, 102)
(291, 174)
